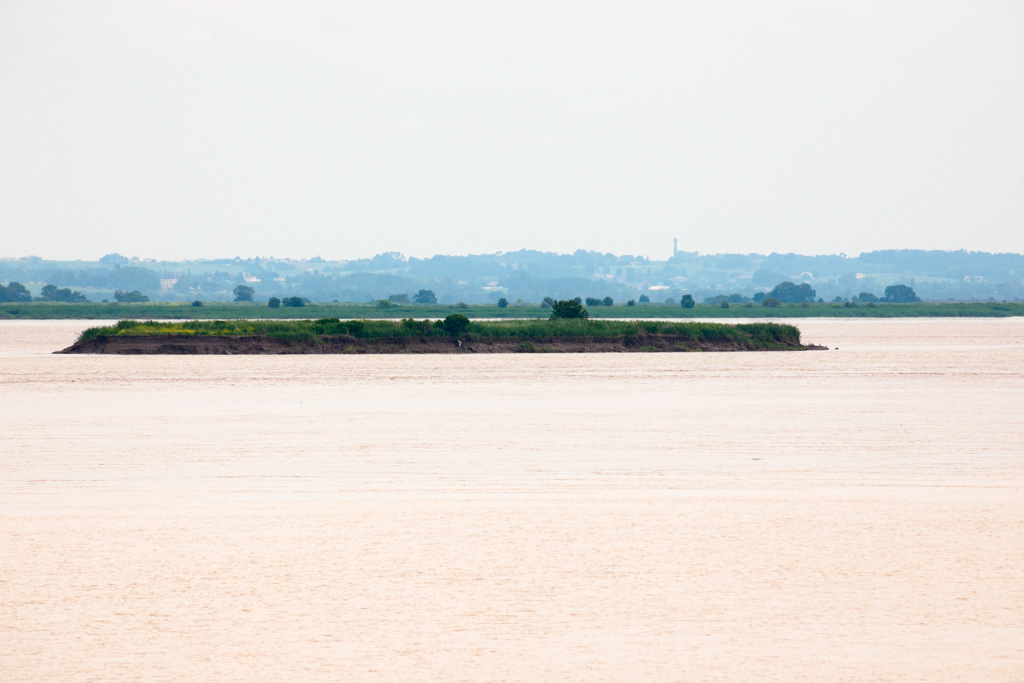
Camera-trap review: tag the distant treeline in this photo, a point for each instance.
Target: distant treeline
(768, 308)
(260, 310)
(527, 276)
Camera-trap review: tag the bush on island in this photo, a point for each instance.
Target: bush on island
(568, 309)
(456, 324)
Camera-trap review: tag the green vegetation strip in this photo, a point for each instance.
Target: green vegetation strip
(759, 335)
(240, 311)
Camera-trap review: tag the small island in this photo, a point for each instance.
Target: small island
(454, 334)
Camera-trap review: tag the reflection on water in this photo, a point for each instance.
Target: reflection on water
(855, 513)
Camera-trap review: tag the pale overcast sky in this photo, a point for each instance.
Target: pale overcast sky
(343, 129)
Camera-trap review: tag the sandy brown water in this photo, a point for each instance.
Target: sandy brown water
(856, 514)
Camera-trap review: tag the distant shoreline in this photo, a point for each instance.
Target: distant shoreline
(252, 311)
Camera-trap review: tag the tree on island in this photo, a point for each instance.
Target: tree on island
(771, 302)
(591, 301)
(900, 294)
(644, 299)
(424, 296)
(502, 302)
(274, 302)
(791, 293)
(568, 310)
(131, 297)
(244, 293)
(687, 301)
(293, 302)
(608, 301)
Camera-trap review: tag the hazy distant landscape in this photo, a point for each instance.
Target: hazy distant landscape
(525, 277)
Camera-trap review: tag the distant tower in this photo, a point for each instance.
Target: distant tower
(675, 246)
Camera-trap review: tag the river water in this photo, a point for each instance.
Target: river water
(855, 514)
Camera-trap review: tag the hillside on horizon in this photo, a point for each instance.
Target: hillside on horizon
(531, 275)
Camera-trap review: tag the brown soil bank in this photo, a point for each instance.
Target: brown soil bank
(214, 345)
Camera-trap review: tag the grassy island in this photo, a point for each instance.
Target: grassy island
(454, 334)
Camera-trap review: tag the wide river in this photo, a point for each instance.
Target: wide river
(851, 514)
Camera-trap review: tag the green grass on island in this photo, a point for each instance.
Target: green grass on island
(768, 336)
(41, 310)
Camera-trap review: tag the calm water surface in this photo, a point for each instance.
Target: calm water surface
(856, 514)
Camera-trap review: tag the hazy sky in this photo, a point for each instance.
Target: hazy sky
(342, 129)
